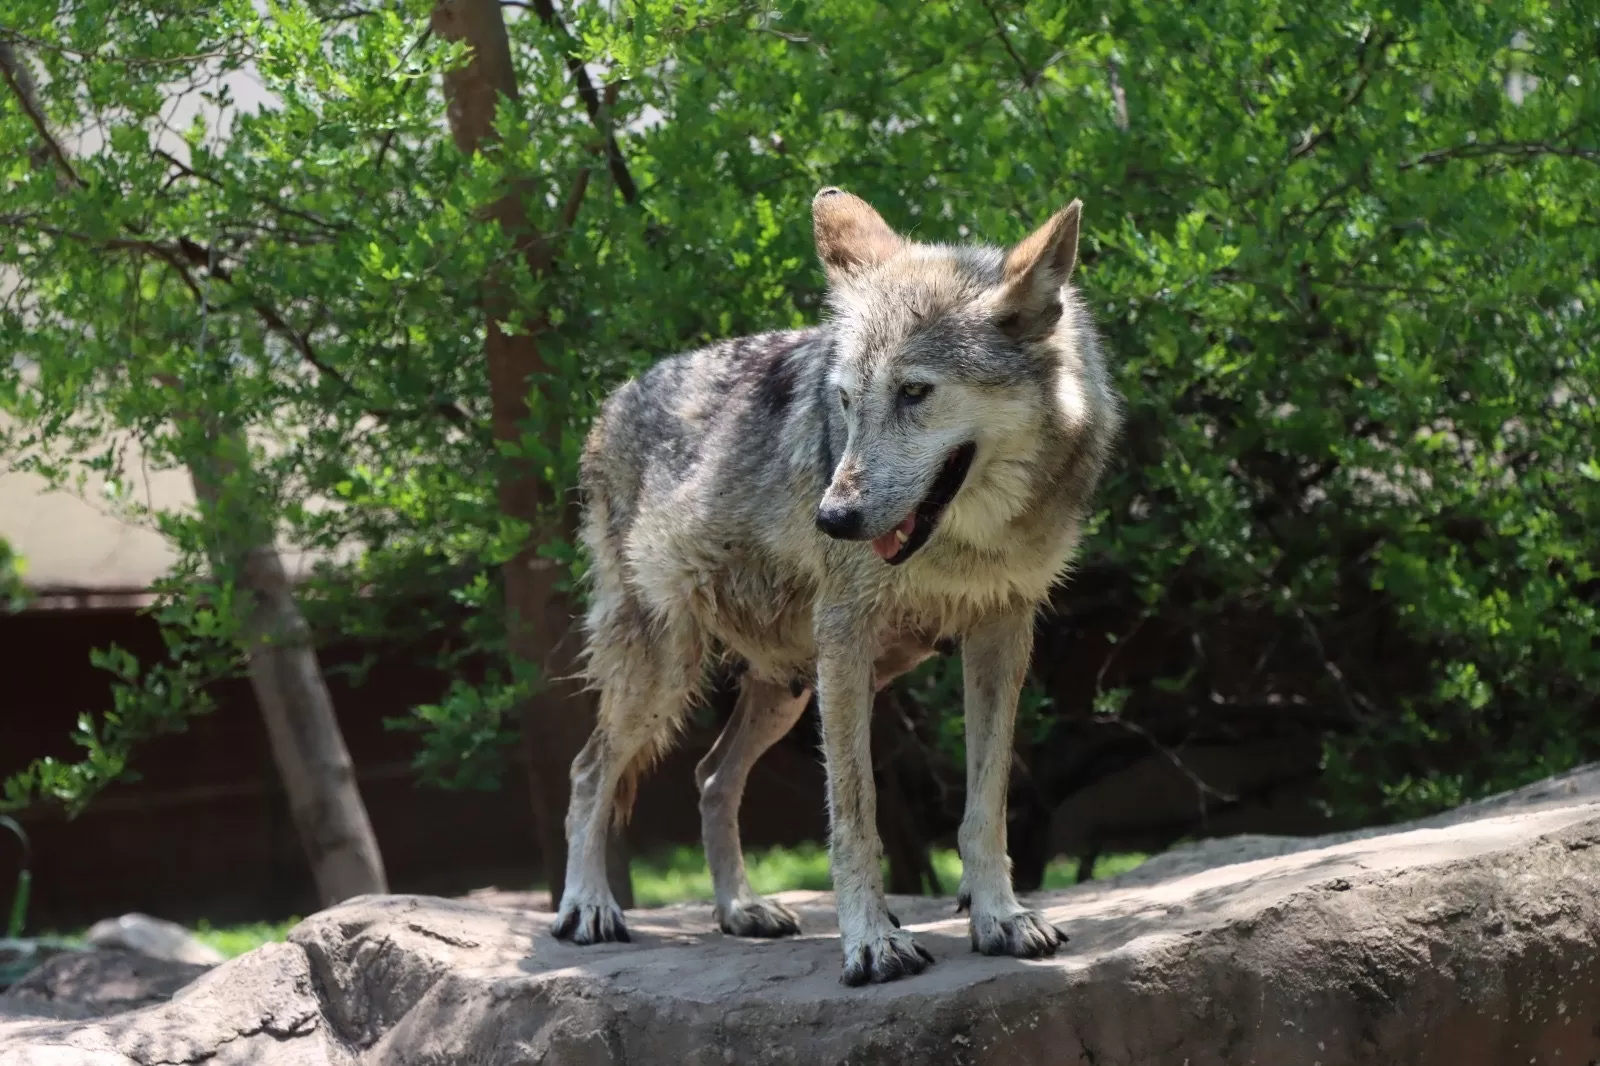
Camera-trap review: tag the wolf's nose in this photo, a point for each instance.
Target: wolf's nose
(841, 523)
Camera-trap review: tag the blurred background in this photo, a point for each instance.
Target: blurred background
(305, 309)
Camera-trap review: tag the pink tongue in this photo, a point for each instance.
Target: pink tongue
(888, 545)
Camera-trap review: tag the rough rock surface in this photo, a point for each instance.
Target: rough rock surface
(20, 957)
(86, 983)
(1473, 938)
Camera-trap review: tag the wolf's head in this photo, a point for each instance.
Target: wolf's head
(953, 369)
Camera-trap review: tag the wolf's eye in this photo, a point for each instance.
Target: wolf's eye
(844, 399)
(915, 391)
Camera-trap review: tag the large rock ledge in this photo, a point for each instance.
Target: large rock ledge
(1471, 938)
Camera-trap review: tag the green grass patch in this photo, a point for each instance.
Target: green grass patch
(235, 940)
(680, 874)
(231, 940)
(1063, 873)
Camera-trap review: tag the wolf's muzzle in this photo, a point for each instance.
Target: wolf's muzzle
(840, 523)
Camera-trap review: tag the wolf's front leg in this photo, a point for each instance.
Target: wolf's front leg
(874, 948)
(994, 658)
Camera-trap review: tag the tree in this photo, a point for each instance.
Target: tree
(331, 242)
(1342, 253)
(235, 525)
(538, 615)
(1343, 261)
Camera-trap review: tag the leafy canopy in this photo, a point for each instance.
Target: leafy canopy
(1343, 253)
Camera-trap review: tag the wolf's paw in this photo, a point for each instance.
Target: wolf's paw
(882, 958)
(759, 917)
(590, 923)
(1025, 935)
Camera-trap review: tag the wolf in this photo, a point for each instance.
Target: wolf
(828, 506)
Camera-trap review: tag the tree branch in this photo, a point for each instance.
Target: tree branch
(1030, 78)
(1514, 149)
(305, 216)
(21, 81)
(184, 252)
(1202, 787)
(569, 212)
(10, 36)
(598, 109)
(1119, 97)
(389, 134)
(1364, 79)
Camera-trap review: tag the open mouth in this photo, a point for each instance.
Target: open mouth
(902, 542)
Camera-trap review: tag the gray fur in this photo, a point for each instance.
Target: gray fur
(704, 482)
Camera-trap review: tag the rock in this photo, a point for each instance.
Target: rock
(154, 937)
(1470, 940)
(19, 957)
(1560, 790)
(101, 982)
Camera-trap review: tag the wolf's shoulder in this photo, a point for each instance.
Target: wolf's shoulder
(748, 356)
(759, 369)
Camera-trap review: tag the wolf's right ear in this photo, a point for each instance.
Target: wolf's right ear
(850, 234)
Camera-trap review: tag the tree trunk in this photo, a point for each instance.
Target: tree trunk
(306, 742)
(538, 616)
(307, 746)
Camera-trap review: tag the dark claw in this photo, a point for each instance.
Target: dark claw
(893, 920)
(963, 903)
(886, 959)
(1025, 935)
(762, 918)
(589, 924)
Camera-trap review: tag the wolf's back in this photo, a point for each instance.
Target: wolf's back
(719, 403)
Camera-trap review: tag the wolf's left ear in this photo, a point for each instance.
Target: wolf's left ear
(1034, 272)
(850, 234)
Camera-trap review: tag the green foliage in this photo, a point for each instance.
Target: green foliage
(147, 701)
(12, 593)
(936, 688)
(1348, 279)
(464, 735)
(1342, 252)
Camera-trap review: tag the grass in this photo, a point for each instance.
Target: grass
(1063, 873)
(680, 874)
(235, 940)
(231, 940)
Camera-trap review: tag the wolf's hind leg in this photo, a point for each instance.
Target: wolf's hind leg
(645, 687)
(765, 712)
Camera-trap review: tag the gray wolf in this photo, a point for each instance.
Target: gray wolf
(828, 505)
